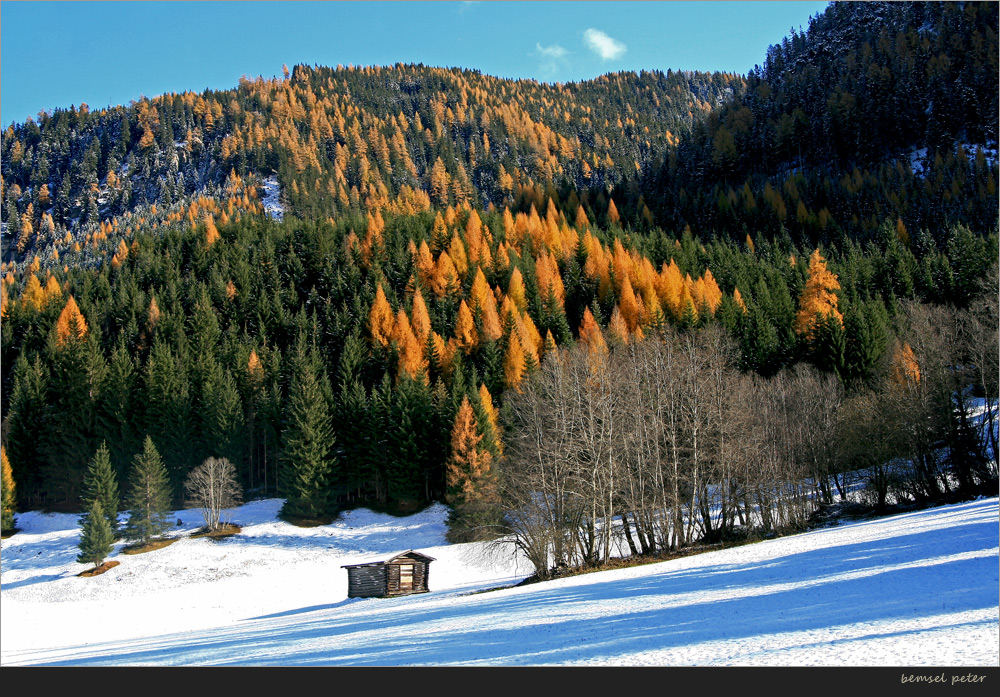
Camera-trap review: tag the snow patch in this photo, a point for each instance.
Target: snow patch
(272, 198)
(918, 161)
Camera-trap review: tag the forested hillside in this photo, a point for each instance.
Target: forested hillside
(340, 140)
(880, 110)
(465, 259)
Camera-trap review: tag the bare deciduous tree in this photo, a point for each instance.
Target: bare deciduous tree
(982, 346)
(212, 486)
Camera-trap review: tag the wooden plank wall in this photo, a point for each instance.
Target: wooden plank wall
(366, 582)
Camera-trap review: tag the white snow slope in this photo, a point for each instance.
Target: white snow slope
(917, 589)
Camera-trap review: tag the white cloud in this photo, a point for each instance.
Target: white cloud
(553, 51)
(603, 45)
(553, 59)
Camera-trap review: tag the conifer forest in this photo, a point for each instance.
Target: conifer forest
(706, 303)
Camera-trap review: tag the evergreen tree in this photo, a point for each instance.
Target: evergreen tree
(220, 413)
(168, 409)
(149, 496)
(414, 443)
(96, 537)
(353, 424)
(77, 382)
(307, 440)
(865, 342)
(970, 258)
(26, 420)
(759, 342)
(490, 360)
(828, 345)
(101, 485)
(118, 407)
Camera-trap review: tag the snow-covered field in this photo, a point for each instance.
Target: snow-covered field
(919, 589)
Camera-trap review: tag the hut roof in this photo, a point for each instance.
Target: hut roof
(376, 562)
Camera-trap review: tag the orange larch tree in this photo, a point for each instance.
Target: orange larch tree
(412, 360)
(53, 291)
(549, 280)
(211, 232)
(424, 263)
(738, 300)
(486, 400)
(613, 217)
(669, 287)
(531, 340)
(70, 322)
(490, 318)
(465, 329)
(421, 319)
(152, 314)
(7, 490)
(513, 363)
(33, 295)
(474, 237)
(469, 476)
(484, 302)
(380, 319)
(254, 369)
(629, 305)
(711, 292)
(445, 276)
(905, 369)
(590, 333)
(818, 300)
(516, 290)
(459, 257)
(617, 329)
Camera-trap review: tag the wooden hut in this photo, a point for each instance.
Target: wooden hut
(403, 574)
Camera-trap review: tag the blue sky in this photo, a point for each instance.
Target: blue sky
(55, 54)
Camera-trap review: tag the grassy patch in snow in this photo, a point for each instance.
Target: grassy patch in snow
(149, 546)
(99, 569)
(220, 533)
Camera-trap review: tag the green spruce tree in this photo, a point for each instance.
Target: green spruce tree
(118, 407)
(27, 418)
(168, 410)
(78, 375)
(96, 537)
(307, 439)
(149, 496)
(100, 484)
